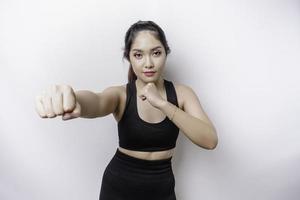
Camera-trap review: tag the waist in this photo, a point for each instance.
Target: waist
(156, 155)
(128, 167)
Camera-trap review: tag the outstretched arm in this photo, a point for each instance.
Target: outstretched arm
(192, 120)
(98, 104)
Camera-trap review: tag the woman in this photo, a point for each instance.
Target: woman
(149, 110)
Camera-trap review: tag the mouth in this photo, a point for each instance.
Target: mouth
(149, 73)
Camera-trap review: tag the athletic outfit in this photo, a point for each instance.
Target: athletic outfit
(131, 178)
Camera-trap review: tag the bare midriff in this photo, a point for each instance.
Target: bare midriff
(156, 155)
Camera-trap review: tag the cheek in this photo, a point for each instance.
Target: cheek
(135, 63)
(160, 61)
(136, 66)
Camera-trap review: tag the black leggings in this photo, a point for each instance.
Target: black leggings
(130, 178)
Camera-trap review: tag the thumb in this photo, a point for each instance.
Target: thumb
(74, 114)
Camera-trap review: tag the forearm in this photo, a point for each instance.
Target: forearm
(198, 131)
(89, 103)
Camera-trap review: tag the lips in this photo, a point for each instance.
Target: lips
(149, 73)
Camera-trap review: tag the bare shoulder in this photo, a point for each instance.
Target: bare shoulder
(183, 89)
(122, 89)
(112, 94)
(109, 100)
(117, 89)
(114, 91)
(190, 101)
(184, 93)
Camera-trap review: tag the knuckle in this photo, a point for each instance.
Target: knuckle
(69, 108)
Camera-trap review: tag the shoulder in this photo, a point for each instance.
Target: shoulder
(114, 92)
(191, 102)
(182, 91)
(186, 95)
(180, 87)
(121, 91)
(116, 89)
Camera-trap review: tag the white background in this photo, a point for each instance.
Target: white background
(240, 57)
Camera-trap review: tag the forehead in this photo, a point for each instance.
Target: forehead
(145, 40)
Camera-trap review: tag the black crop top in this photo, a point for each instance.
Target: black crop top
(136, 134)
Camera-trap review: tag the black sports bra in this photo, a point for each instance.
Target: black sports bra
(136, 134)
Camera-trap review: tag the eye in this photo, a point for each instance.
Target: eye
(137, 55)
(157, 53)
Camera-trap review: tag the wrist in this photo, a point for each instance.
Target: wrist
(162, 104)
(169, 109)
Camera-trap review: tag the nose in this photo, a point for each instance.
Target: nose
(148, 62)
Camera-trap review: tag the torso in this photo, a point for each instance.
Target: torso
(149, 114)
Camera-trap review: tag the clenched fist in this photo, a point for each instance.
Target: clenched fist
(58, 100)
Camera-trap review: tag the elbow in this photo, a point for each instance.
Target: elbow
(213, 145)
(209, 141)
(214, 142)
(209, 144)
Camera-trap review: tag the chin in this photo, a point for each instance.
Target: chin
(152, 79)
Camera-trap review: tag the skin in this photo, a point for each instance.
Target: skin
(146, 54)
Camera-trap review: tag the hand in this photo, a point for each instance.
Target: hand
(150, 93)
(58, 100)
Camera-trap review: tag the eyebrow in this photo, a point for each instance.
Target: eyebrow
(151, 49)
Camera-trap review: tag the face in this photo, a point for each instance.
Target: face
(147, 54)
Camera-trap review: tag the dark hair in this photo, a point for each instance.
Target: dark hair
(131, 34)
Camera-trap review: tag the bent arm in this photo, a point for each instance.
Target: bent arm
(199, 132)
(192, 120)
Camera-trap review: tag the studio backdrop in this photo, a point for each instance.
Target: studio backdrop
(242, 59)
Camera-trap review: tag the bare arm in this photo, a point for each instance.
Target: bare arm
(192, 120)
(98, 104)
